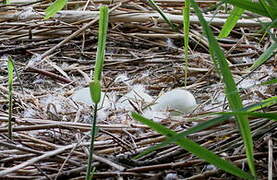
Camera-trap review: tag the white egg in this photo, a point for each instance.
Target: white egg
(83, 96)
(137, 96)
(104, 106)
(177, 101)
(155, 115)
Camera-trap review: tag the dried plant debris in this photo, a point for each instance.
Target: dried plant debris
(144, 61)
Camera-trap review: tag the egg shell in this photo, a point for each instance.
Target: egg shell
(177, 101)
(137, 96)
(83, 96)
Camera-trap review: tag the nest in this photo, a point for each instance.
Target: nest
(54, 57)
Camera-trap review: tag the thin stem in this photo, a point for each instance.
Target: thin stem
(91, 148)
(10, 114)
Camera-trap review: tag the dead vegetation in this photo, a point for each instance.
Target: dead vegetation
(51, 130)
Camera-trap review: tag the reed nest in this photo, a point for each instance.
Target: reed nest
(51, 131)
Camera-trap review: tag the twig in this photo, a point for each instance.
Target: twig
(36, 159)
(49, 74)
(76, 33)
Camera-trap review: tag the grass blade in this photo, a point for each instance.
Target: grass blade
(207, 124)
(267, 8)
(194, 148)
(265, 56)
(160, 11)
(254, 7)
(186, 23)
(10, 85)
(231, 22)
(231, 91)
(270, 116)
(101, 46)
(264, 104)
(54, 8)
(191, 130)
(269, 82)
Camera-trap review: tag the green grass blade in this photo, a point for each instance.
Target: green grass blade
(269, 82)
(231, 91)
(207, 124)
(270, 116)
(197, 128)
(164, 16)
(265, 56)
(54, 8)
(266, 6)
(264, 104)
(102, 36)
(254, 7)
(230, 22)
(194, 148)
(10, 85)
(186, 23)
